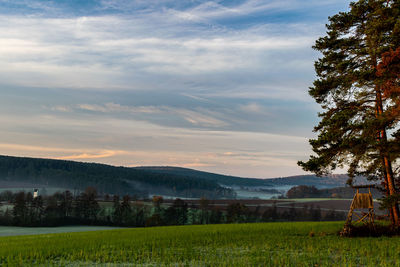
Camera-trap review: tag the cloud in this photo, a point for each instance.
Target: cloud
(253, 108)
(91, 138)
(211, 11)
(112, 107)
(20, 147)
(126, 53)
(218, 85)
(195, 165)
(211, 113)
(102, 154)
(199, 117)
(60, 108)
(91, 154)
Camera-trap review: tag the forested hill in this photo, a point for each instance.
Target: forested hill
(219, 178)
(334, 180)
(140, 181)
(107, 179)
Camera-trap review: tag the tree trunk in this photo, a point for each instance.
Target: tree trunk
(386, 162)
(391, 187)
(385, 184)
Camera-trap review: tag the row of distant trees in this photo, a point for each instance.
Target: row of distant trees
(305, 191)
(88, 209)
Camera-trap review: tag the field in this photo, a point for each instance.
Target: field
(14, 230)
(264, 244)
(324, 204)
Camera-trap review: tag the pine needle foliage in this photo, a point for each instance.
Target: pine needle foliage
(359, 126)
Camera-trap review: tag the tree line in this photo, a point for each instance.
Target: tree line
(304, 191)
(62, 208)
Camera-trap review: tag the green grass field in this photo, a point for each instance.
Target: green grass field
(14, 230)
(263, 244)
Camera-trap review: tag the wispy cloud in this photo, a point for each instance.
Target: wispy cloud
(112, 107)
(90, 154)
(253, 108)
(199, 117)
(109, 52)
(195, 165)
(103, 154)
(207, 84)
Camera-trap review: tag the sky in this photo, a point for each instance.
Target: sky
(219, 86)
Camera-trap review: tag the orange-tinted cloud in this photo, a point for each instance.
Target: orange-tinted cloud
(103, 154)
(196, 164)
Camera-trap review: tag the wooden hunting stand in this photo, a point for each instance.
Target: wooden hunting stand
(360, 201)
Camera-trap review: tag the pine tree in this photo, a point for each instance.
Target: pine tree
(66, 203)
(37, 210)
(117, 213)
(354, 125)
(20, 209)
(126, 210)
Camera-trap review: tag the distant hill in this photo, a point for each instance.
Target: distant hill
(106, 178)
(334, 180)
(142, 181)
(219, 178)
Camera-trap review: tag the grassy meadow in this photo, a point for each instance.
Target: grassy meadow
(15, 230)
(261, 244)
